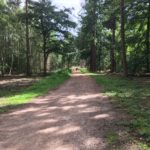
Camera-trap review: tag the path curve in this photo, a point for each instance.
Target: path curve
(76, 116)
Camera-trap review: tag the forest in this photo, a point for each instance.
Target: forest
(112, 36)
(75, 82)
(116, 36)
(31, 35)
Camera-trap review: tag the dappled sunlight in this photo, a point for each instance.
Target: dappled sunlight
(67, 102)
(88, 110)
(100, 116)
(68, 129)
(48, 130)
(82, 106)
(50, 121)
(67, 107)
(71, 96)
(66, 147)
(42, 101)
(67, 118)
(91, 142)
(42, 114)
(87, 96)
(53, 108)
(25, 111)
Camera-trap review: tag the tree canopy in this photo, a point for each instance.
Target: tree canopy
(118, 32)
(114, 36)
(30, 34)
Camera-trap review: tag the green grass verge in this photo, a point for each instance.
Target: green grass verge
(112, 138)
(84, 70)
(134, 98)
(38, 89)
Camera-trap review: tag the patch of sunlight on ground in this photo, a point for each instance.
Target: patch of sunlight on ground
(49, 130)
(101, 116)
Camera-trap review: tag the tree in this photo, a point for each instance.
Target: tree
(28, 52)
(43, 30)
(93, 36)
(89, 32)
(111, 24)
(148, 40)
(48, 21)
(123, 44)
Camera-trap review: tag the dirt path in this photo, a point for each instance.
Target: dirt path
(76, 116)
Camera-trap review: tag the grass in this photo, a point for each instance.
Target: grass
(112, 138)
(38, 89)
(133, 96)
(84, 70)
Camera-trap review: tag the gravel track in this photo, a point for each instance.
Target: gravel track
(76, 116)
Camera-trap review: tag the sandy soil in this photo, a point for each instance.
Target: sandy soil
(76, 116)
(17, 82)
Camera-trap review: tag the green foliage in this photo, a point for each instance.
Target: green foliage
(112, 138)
(49, 32)
(89, 36)
(136, 34)
(84, 70)
(133, 96)
(52, 24)
(38, 89)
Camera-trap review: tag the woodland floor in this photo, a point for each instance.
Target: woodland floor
(76, 116)
(13, 84)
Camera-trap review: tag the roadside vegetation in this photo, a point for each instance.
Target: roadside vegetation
(132, 95)
(38, 37)
(84, 70)
(11, 100)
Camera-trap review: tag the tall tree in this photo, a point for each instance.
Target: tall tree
(111, 24)
(123, 44)
(89, 31)
(113, 61)
(148, 40)
(93, 36)
(50, 23)
(28, 51)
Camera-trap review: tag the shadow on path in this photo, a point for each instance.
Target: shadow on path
(74, 117)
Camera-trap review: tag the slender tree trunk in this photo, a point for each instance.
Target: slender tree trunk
(1, 63)
(11, 65)
(93, 57)
(3, 55)
(68, 62)
(68, 66)
(147, 42)
(112, 53)
(62, 62)
(100, 60)
(123, 47)
(2, 70)
(12, 46)
(45, 55)
(93, 42)
(28, 53)
(45, 64)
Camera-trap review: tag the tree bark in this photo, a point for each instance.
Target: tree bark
(45, 55)
(93, 42)
(68, 62)
(147, 42)
(1, 63)
(123, 48)
(11, 65)
(28, 52)
(112, 52)
(93, 57)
